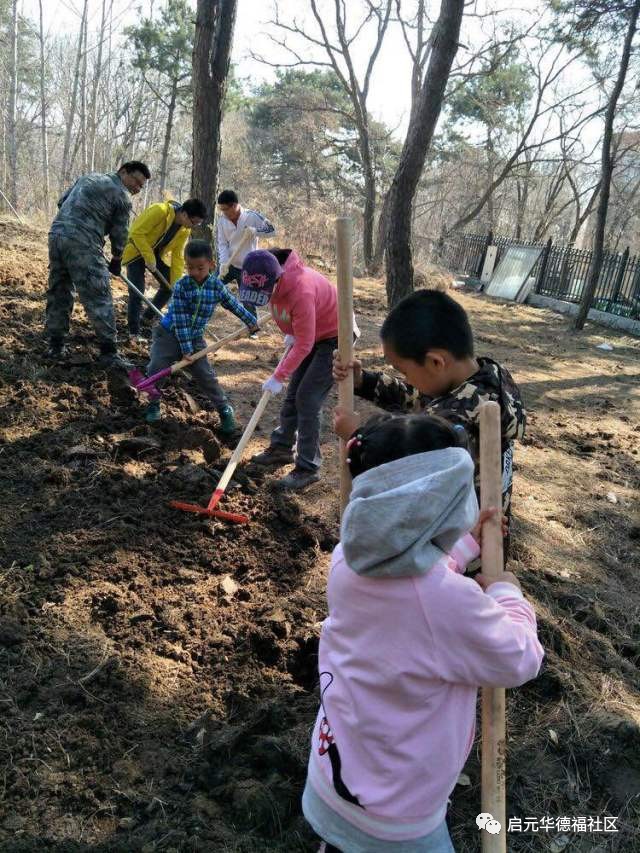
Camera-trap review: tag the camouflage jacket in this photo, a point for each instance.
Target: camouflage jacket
(96, 205)
(460, 406)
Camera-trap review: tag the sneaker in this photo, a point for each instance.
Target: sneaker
(297, 479)
(152, 412)
(114, 361)
(228, 424)
(275, 454)
(56, 351)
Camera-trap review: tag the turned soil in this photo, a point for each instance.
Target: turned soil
(158, 670)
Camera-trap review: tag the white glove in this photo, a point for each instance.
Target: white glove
(273, 385)
(224, 269)
(289, 340)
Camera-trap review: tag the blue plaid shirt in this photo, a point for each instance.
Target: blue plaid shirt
(192, 306)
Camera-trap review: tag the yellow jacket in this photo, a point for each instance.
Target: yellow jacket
(147, 230)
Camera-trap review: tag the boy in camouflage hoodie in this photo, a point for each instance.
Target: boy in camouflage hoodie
(427, 338)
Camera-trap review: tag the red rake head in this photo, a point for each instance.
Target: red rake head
(211, 513)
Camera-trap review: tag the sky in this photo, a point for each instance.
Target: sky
(390, 86)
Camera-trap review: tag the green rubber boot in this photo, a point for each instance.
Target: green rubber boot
(152, 413)
(228, 424)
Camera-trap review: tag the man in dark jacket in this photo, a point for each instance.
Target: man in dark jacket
(95, 206)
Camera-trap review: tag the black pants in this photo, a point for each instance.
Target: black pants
(135, 274)
(235, 274)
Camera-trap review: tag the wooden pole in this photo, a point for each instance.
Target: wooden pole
(493, 698)
(344, 252)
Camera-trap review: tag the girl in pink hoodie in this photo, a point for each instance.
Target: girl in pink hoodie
(304, 305)
(407, 642)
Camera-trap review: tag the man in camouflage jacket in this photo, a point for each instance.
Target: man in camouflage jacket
(460, 406)
(95, 206)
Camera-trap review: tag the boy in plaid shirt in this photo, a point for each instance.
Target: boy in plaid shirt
(180, 333)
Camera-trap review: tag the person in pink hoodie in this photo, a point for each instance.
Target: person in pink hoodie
(304, 305)
(407, 642)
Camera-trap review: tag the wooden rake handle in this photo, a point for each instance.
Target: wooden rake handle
(236, 456)
(344, 253)
(159, 277)
(245, 239)
(239, 333)
(493, 698)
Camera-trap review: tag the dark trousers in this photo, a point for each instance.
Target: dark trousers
(75, 268)
(300, 413)
(235, 274)
(135, 274)
(165, 351)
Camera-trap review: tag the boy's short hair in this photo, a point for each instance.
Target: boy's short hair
(198, 249)
(427, 320)
(194, 207)
(136, 166)
(228, 197)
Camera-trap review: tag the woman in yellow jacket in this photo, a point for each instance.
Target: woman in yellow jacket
(160, 231)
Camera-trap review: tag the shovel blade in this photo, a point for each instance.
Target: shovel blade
(136, 377)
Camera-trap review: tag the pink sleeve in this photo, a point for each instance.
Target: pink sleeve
(483, 639)
(303, 321)
(465, 550)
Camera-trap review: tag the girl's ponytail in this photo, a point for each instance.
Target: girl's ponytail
(384, 438)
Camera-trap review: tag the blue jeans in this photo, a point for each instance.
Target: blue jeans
(346, 838)
(439, 841)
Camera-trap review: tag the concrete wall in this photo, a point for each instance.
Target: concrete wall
(622, 324)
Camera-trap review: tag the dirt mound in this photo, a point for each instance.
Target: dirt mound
(158, 669)
(123, 621)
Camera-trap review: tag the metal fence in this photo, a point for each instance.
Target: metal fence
(561, 271)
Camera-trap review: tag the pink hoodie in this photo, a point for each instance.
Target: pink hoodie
(400, 662)
(304, 304)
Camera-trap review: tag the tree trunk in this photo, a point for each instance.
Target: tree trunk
(167, 136)
(369, 212)
(606, 172)
(43, 124)
(66, 166)
(83, 101)
(414, 151)
(215, 21)
(381, 236)
(12, 110)
(93, 119)
(491, 223)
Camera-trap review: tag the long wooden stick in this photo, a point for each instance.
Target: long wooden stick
(159, 277)
(344, 246)
(240, 332)
(144, 298)
(493, 698)
(236, 456)
(20, 219)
